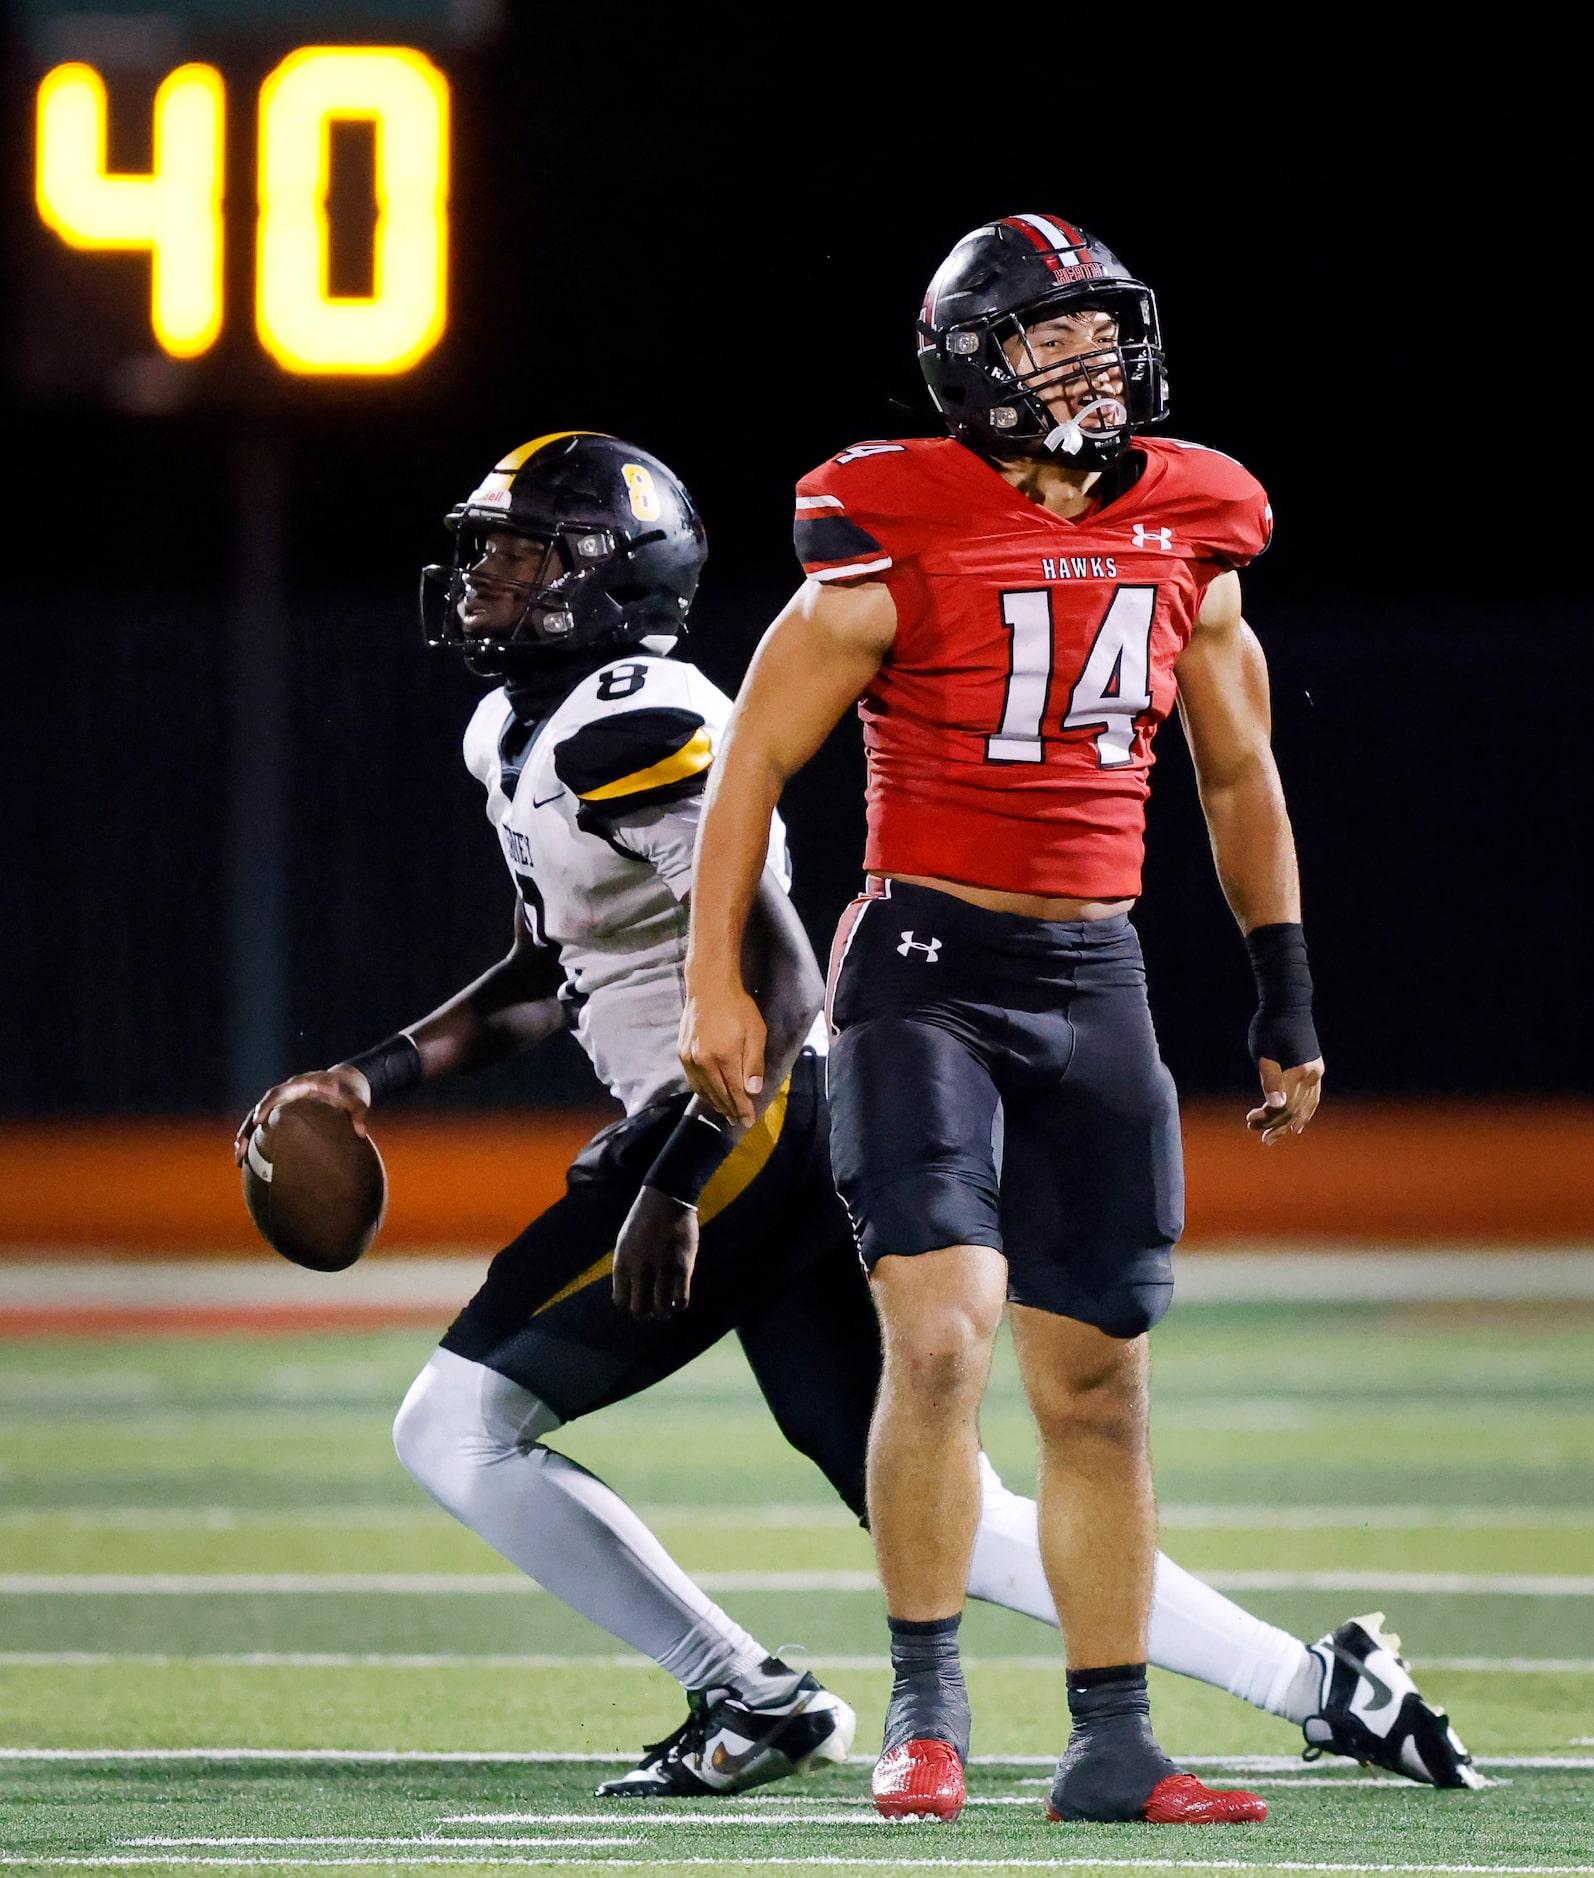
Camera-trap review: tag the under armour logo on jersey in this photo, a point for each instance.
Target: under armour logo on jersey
(929, 947)
(1153, 537)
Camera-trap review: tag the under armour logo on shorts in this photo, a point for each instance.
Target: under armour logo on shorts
(929, 947)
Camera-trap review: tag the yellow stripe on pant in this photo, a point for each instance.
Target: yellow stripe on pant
(735, 1174)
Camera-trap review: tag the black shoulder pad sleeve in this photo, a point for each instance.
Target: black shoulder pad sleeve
(634, 758)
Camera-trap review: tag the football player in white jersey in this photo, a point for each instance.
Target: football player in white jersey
(575, 564)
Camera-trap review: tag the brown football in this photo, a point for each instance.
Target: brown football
(315, 1188)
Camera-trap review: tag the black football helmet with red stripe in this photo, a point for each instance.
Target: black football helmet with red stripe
(976, 356)
(622, 551)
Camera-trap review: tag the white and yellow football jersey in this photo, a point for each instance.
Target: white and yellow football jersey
(596, 809)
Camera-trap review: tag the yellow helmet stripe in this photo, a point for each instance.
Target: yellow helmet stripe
(517, 459)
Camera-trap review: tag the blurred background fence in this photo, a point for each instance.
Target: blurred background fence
(1437, 774)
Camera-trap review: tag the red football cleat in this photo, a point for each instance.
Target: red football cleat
(920, 1780)
(1181, 1800)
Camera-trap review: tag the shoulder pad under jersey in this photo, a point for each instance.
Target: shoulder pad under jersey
(1214, 499)
(482, 733)
(633, 759)
(845, 509)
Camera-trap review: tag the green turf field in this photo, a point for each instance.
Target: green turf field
(207, 1545)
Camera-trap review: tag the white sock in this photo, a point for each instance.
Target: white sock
(1199, 1632)
(1194, 1630)
(470, 1437)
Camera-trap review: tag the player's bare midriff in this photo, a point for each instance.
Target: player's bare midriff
(1049, 906)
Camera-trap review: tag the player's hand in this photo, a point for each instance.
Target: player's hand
(1289, 1100)
(654, 1256)
(341, 1087)
(721, 1046)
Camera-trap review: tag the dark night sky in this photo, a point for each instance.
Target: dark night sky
(683, 229)
(718, 245)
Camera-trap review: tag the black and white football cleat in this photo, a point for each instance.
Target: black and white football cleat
(726, 1746)
(1371, 1710)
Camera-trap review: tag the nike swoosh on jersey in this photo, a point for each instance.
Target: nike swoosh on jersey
(541, 802)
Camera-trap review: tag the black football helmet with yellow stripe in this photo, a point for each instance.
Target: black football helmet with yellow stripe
(622, 550)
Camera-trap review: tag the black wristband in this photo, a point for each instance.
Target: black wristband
(1282, 1029)
(686, 1163)
(390, 1067)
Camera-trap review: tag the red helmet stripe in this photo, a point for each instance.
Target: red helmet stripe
(1052, 236)
(1037, 238)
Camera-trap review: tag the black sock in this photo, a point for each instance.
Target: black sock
(1113, 1762)
(928, 1699)
(1123, 1682)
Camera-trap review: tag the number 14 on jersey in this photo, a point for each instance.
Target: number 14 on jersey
(1111, 691)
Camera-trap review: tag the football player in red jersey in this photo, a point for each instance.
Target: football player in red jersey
(1018, 606)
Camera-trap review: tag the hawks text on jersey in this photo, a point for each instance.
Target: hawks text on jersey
(596, 811)
(1009, 730)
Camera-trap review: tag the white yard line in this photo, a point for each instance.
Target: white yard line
(917, 1863)
(861, 1816)
(1512, 1665)
(1476, 1584)
(258, 1423)
(80, 1284)
(375, 1757)
(377, 1584)
(716, 1812)
(1250, 1764)
(304, 1659)
(1346, 1779)
(498, 1584)
(820, 1665)
(1331, 1277)
(775, 1515)
(1235, 1763)
(1374, 1518)
(218, 1518)
(1315, 1275)
(779, 1516)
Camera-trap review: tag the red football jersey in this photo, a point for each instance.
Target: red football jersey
(1009, 730)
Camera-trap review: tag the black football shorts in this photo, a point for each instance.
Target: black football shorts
(776, 1264)
(995, 1080)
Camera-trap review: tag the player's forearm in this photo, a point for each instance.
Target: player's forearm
(1253, 844)
(489, 1020)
